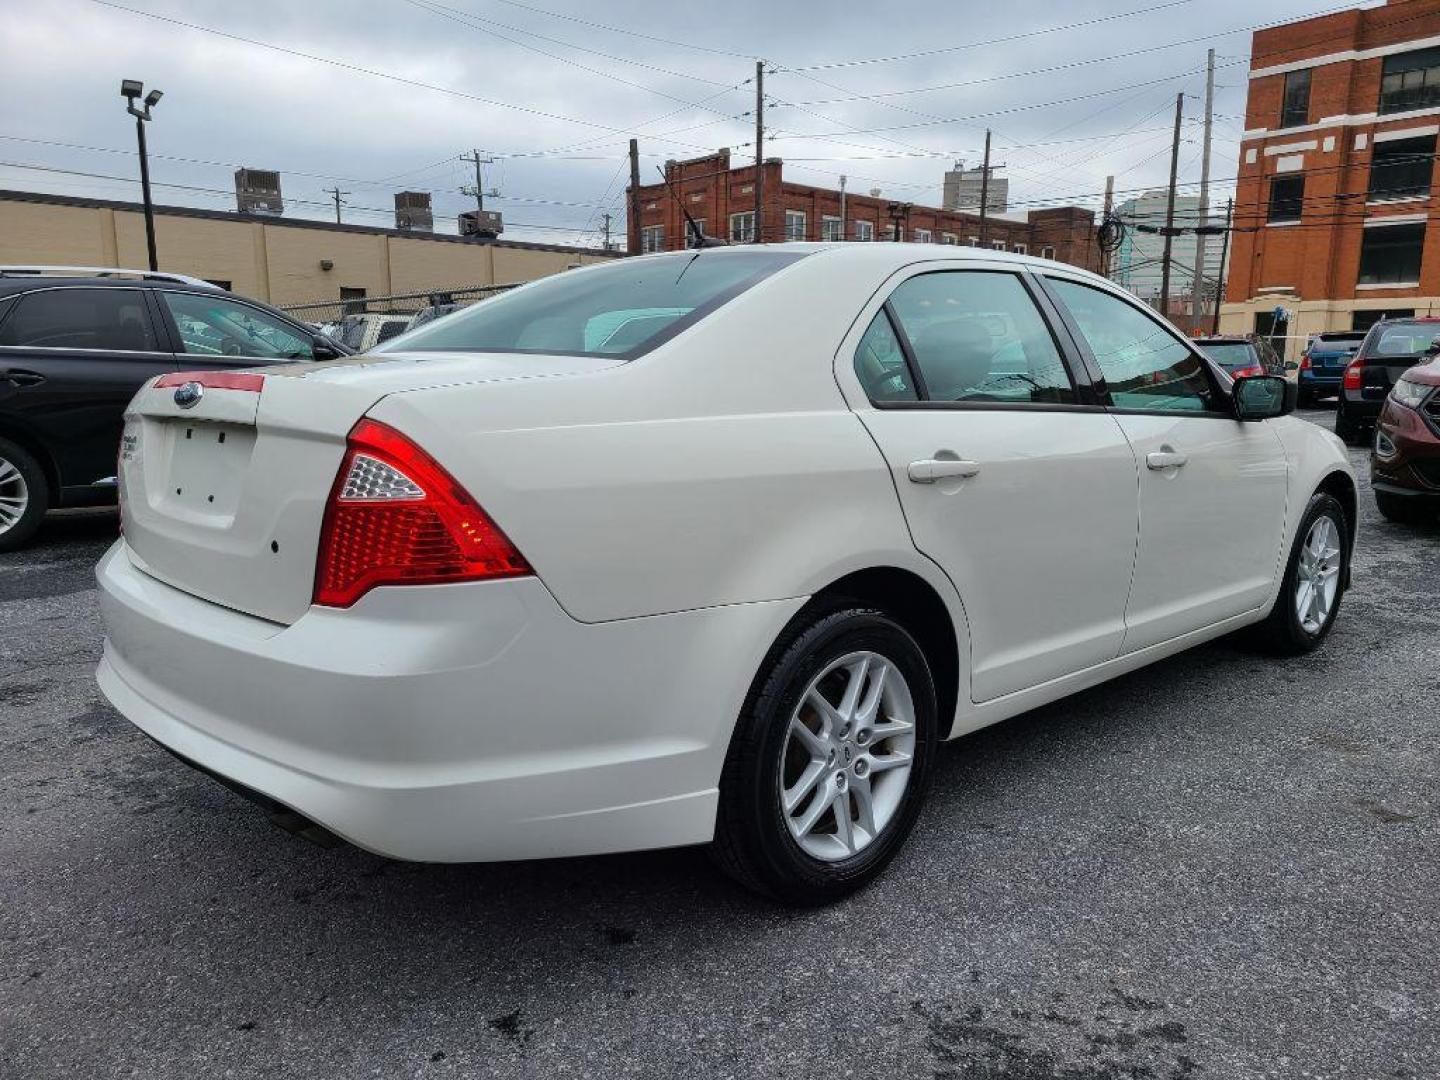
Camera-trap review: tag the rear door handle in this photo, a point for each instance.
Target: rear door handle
(22, 378)
(932, 469)
(1165, 459)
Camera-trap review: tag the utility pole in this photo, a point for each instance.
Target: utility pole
(1197, 291)
(335, 192)
(759, 148)
(632, 227)
(479, 189)
(1170, 211)
(985, 188)
(842, 208)
(607, 230)
(1220, 278)
(1105, 216)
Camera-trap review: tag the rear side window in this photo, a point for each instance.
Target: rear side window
(977, 336)
(880, 363)
(621, 309)
(113, 320)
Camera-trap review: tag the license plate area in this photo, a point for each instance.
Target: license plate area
(206, 463)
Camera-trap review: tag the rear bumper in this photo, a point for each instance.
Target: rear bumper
(1310, 379)
(445, 723)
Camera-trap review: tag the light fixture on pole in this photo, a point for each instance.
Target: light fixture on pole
(130, 90)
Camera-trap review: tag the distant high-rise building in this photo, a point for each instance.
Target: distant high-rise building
(962, 190)
(1137, 263)
(257, 191)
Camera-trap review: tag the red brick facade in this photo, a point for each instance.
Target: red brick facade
(1313, 266)
(713, 190)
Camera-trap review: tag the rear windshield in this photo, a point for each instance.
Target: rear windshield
(1403, 339)
(623, 309)
(1343, 338)
(1228, 356)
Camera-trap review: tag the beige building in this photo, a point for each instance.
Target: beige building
(281, 261)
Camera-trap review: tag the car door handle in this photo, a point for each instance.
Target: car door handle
(1165, 459)
(22, 378)
(932, 469)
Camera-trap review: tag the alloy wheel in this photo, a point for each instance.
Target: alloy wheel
(14, 495)
(1317, 577)
(847, 756)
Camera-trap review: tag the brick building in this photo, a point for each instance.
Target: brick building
(1335, 224)
(721, 199)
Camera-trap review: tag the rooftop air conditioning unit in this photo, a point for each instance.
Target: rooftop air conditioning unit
(482, 223)
(257, 191)
(412, 211)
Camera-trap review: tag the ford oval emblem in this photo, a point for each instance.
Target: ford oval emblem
(188, 395)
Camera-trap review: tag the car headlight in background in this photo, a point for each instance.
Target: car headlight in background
(1410, 393)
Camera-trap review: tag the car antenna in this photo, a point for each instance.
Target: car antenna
(698, 239)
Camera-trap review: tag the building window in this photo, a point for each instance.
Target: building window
(1363, 320)
(742, 227)
(1021, 249)
(1390, 254)
(864, 230)
(1287, 198)
(689, 233)
(973, 241)
(1401, 168)
(1295, 109)
(1410, 81)
(830, 230)
(652, 238)
(949, 238)
(998, 245)
(794, 225)
(922, 236)
(1047, 252)
(897, 232)
(220, 283)
(352, 299)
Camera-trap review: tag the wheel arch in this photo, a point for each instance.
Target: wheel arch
(36, 449)
(1341, 486)
(916, 605)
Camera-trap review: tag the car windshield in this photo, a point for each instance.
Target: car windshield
(1405, 339)
(1229, 354)
(621, 309)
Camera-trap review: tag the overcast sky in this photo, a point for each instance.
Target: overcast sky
(554, 88)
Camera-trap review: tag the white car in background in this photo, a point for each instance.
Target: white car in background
(706, 547)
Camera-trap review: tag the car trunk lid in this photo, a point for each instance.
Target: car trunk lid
(224, 488)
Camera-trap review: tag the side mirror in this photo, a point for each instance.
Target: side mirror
(322, 348)
(1260, 397)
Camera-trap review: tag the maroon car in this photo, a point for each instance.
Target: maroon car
(1405, 458)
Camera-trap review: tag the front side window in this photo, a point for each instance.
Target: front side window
(114, 320)
(1390, 254)
(742, 227)
(652, 239)
(1287, 198)
(213, 326)
(1295, 109)
(794, 225)
(1401, 168)
(977, 336)
(1144, 364)
(1410, 81)
(864, 230)
(623, 308)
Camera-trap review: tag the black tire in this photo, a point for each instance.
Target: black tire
(1399, 509)
(1350, 430)
(1282, 633)
(37, 491)
(1305, 399)
(752, 841)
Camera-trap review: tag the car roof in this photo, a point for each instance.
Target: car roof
(14, 282)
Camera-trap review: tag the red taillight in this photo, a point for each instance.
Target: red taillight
(1245, 373)
(1353, 378)
(1305, 364)
(395, 517)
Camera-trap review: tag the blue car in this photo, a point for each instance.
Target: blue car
(1322, 365)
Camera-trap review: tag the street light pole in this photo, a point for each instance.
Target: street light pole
(131, 89)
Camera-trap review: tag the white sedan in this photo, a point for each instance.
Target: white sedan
(705, 547)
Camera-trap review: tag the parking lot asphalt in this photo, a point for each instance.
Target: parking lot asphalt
(1222, 866)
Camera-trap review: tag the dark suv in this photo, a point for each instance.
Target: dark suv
(1391, 348)
(75, 345)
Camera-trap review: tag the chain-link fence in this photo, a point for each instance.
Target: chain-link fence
(362, 321)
